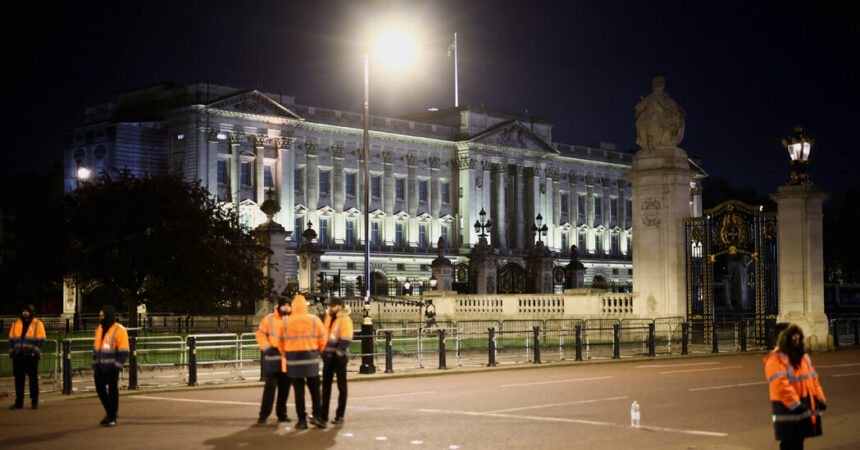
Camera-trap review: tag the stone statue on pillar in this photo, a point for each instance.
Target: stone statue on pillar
(276, 264)
(574, 272)
(443, 269)
(659, 120)
(309, 260)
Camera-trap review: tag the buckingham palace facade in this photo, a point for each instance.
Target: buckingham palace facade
(431, 174)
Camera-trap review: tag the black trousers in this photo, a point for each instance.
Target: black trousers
(21, 367)
(280, 382)
(314, 388)
(791, 444)
(107, 386)
(334, 365)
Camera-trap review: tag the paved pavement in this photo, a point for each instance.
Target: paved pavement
(706, 402)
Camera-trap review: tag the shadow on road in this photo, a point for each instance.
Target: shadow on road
(271, 435)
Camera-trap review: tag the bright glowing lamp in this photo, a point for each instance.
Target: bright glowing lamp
(395, 49)
(84, 173)
(799, 145)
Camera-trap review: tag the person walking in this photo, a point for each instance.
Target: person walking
(110, 351)
(271, 336)
(795, 394)
(335, 357)
(26, 342)
(306, 337)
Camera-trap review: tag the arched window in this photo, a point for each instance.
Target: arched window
(100, 155)
(79, 159)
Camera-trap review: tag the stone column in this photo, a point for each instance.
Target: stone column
(801, 262)
(388, 199)
(277, 265)
(519, 213)
(483, 261)
(259, 162)
(235, 164)
(312, 178)
(210, 137)
(435, 198)
(412, 198)
(498, 211)
(285, 182)
(338, 194)
(555, 227)
(531, 194)
(465, 180)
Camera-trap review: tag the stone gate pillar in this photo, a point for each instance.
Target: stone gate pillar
(574, 272)
(483, 261)
(660, 180)
(442, 268)
(539, 264)
(801, 262)
(277, 264)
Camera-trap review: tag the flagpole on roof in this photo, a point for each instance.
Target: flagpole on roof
(456, 87)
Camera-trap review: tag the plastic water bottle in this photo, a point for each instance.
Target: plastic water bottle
(634, 414)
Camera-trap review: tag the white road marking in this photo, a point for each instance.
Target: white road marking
(571, 380)
(549, 405)
(837, 365)
(847, 374)
(453, 447)
(417, 442)
(393, 395)
(651, 366)
(347, 434)
(564, 420)
(381, 438)
(727, 386)
(700, 370)
(191, 400)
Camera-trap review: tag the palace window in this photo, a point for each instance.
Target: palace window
(582, 247)
(324, 181)
(445, 195)
(598, 206)
(564, 246)
(398, 234)
(246, 174)
(422, 191)
(267, 176)
(297, 180)
(580, 205)
(350, 232)
(350, 184)
(222, 171)
(613, 209)
(100, 160)
(598, 243)
(374, 186)
(445, 235)
(323, 237)
(298, 228)
(374, 233)
(400, 188)
(422, 235)
(564, 203)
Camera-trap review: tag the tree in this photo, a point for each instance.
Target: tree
(161, 242)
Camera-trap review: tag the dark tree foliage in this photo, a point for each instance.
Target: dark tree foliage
(841, 249)
(716, 190)
(161, 242)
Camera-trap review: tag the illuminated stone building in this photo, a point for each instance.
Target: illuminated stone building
(431, 173)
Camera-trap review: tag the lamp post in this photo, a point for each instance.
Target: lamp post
(433, 282)
(81, 176)
(799, 146)
(537, 228)
(482, 226)
(395, 47)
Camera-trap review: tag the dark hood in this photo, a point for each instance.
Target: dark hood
(31, 309)
(783, 344)
(110, 316)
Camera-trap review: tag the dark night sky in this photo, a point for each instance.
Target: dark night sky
(745, 72)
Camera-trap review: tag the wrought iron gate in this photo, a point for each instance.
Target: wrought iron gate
(462, 277)
(739, 239)
(512, 279)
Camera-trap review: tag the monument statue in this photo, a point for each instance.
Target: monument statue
(659, 120)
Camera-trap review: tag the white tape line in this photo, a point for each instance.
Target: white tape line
(727, 386)
(571, 380)
(700, 370)
(837, 365)
(847, 374)
(393, 395)
(652, 366)
(191, 400)
(550, 405)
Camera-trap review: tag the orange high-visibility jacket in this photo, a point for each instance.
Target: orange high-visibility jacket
(110, 349)
(271, 336)
(27, 342)
(796, 396)
(339, 333)
(306, 337)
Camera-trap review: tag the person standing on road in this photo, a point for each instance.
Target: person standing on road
(110, 351)
(336, 357)
(26, 342)
(271, 336)
(795, 394)
(306, 337)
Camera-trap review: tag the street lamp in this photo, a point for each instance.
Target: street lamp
(393, 48)
(482, 226)
(84, 174)
(799, 146)
(537, 228)
(81, 176)
(433, 282)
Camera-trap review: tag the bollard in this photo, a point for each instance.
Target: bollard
(537, 345)
(389, 357)
(67, 367)
(192, 361)
(715, 341)
(68, 328)
(742, 335)
(579, 342)
(368, 347)
(616, 341)
(442, 362)
(652, 351)
(835, 333)
(491, 344)
(132, 363)
(685, 337)
(856, 331)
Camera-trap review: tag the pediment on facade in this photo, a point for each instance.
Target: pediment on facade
(300, 209)
(566, 226)
(253, 102)
(352, 212)
(425, 217)
(325, 211)
(447, 218)
(377, 214)
(513, 134)
(247, 202)
(401, 215)
(600, 228)
(582, 227)
(615, 229)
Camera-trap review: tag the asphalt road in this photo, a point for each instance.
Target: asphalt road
(709, 402)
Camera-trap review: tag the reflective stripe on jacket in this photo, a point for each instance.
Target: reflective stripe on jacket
(110, 350)
(27, 342)
(270, 337)
(796, 396)
(339, 333)
(306, 337)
